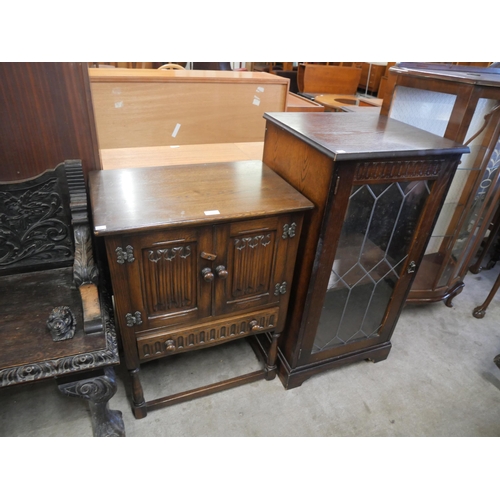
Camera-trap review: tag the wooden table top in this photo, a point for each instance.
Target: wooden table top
(138, 199)
(180, 155)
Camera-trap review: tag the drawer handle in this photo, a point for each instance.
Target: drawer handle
(221, 272)
(254, 326)
(207, 274)
(170, 345)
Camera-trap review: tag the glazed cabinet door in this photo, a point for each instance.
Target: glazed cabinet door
(256, 261)
(161, 278)
(370, 256)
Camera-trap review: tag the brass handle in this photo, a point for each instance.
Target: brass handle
(170, 345)
(254, 326)
(221, 272)
(207, 274)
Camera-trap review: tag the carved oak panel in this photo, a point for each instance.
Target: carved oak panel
(169, 273)
(206, 334)
(35, 224)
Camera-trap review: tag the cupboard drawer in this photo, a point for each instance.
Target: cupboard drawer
(155, 345)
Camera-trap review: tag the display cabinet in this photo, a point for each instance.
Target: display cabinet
(198, 255)
(377, 185)
(459, 103)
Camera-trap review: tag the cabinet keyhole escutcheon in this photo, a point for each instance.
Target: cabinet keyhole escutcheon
(280, 288)
(412, 267)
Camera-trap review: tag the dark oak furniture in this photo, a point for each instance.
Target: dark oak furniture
(199, 255)
(56, 317)
(377, 185)
(460, 103)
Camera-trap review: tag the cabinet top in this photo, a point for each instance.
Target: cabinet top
(136, 199)
(356, 136)
(470, 75)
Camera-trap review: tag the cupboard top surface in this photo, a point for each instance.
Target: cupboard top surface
(135, 199)
(355, 136)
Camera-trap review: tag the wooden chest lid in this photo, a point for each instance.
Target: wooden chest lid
(135, 199)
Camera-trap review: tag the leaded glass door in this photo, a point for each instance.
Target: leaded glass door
(371, 267)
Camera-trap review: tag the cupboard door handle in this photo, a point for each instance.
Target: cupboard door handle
(170, 345)
(207, 274)
(221, 272)
(254, 326)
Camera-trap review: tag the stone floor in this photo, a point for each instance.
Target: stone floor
(439, 380)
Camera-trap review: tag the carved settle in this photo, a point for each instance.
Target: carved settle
(56, 317)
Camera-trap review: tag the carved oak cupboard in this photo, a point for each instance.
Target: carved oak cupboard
(198, 255)
(377, 185)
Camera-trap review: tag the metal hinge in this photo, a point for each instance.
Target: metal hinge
(126, 255)
(280, 288)
(289, 230)
(133, 319)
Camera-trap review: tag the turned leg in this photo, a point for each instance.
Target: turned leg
(480, 311)
(98, 391)
(138, 401)
(271, 357)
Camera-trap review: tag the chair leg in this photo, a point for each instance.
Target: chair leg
(480, 311)
(98, 391)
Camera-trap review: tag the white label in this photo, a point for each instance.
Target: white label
(119, 104)
(100, 228)
(256, 101)
(260, 89)
(212, 212)
(176, 130)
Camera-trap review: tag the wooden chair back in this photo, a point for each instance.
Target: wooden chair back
(322, 79)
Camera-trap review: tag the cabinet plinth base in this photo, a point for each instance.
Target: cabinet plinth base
(294, 377)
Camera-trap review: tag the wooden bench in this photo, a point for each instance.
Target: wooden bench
(57, 319)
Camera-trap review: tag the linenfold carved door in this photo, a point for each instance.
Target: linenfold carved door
(183, 275)
(255, 269)
(163, 278)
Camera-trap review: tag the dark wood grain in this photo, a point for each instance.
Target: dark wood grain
(27, 300)
(185, 278)
(47, 118)
(163, 197)
(346, 136)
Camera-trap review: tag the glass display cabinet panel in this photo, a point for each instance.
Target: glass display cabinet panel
(377, 185)
(462, 105)
(376, 237)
